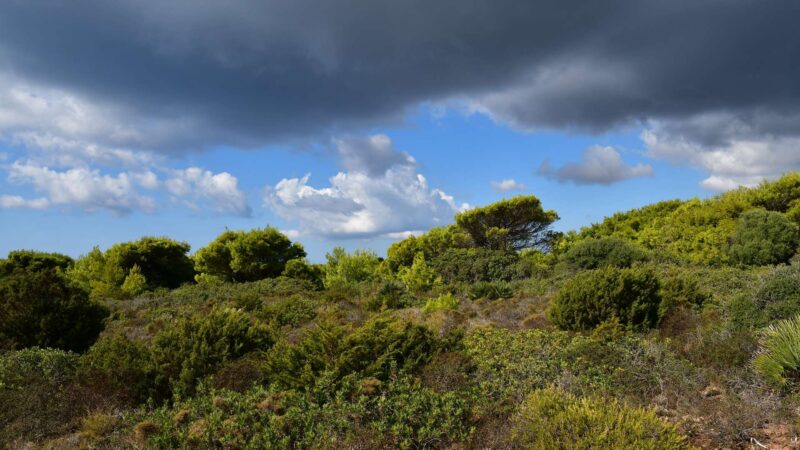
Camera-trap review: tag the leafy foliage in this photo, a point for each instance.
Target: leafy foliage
(511, 225)
(247, 255)
(34, 261)
(440, 303)
(763, 238)
(602, 252)
(300, 269)
(419, 277)
(550, 418)
(491, 290)
(631, 296)
(345, 268)
(475, 264)
(432, 244)
(42, 308)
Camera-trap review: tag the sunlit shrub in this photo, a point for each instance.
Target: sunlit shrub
(440, 303)
(553, 419)
(462, 265)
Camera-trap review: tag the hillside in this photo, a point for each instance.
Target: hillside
(673, 326)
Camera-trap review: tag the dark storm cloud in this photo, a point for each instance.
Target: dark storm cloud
(250, 73)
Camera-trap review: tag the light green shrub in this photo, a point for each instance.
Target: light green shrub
(553, 419)
(440, 303)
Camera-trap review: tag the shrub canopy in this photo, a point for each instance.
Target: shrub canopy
(607, 251)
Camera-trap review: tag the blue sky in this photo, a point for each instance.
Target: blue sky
(458, 153)
(358, 122)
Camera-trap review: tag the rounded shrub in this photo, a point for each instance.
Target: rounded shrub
(42, 308)
(602, 252)
(779, 297)
(550, 418)
(763, 238)
(632, 296)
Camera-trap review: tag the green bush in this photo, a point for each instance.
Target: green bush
(553, 419)
(376, 349)
(630, 295)
(391, 295)
(34, 261)
(779, 297)
(778, 361)
(349, 268)
(602, 252)
(247, 255)
(432, 244)
(763, 238)
(42, 308)
(36, 395)
(440, 303)
(195, 346)
(462, 265)
(124, 364)
(300, 269)
(363, 413)
(420, 277)
(491, 290)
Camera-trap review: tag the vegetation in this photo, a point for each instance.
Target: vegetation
(631, 296)
(673, 326)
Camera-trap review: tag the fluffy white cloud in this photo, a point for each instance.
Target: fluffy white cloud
(361, 202)
(732, 153)
(508, 185)
(88, 189)
(221, 191)
(599, 165)
(15, 201)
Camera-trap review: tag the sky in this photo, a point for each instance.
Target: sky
(359, 122)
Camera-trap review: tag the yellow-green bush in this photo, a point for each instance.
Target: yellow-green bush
(552, 419)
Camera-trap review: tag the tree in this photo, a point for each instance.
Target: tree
(242, 256)
(300, 269)
(432, 244)
(763, 238)
(42, 308)
(512, 225)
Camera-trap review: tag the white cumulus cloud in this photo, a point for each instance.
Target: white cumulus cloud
(197, 187)
(508, 185)
(363, 201)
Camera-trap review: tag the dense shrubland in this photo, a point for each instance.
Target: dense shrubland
(668, 327)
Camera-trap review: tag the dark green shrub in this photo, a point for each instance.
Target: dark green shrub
(195, 346)
(461, 265)
(554, 419)
(681, 291)
(763, 238)
(630, 295)
(490, 290)
(292, 311)
(602, 252)
(247, 255)
(42, 308)
(344, 268)
(391, 295)
(162, 261)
